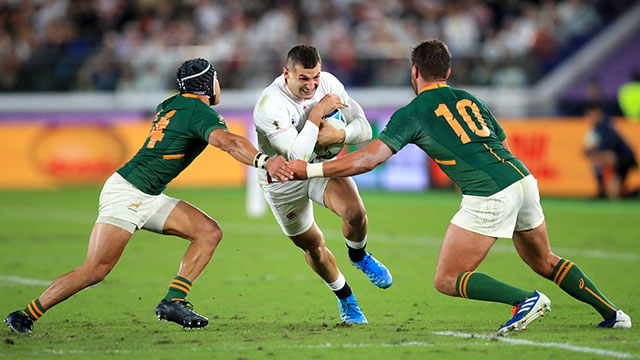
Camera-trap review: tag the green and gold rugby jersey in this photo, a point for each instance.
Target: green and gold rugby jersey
(179, 133)
(460, 134)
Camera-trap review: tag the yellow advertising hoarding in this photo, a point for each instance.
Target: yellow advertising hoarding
(36, 155)
(40, 155)
(552, 149)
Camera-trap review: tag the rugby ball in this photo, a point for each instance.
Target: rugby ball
(336, 119)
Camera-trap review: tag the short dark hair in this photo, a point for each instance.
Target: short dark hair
(432, 58)
(305, 55)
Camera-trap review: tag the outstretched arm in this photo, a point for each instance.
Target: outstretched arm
(355, 163)
(242, 150)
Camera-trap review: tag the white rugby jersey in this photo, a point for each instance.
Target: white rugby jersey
(280, 117)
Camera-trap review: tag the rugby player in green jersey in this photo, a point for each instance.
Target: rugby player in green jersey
(132, 199)
(499, 196)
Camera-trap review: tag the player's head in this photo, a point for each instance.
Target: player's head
(197, 76)
(431, 60)
(302, 72)
(594, 112)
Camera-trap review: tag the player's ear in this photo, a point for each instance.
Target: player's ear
(285, 71)
(448, 73)
(216, 98)
(414, 72)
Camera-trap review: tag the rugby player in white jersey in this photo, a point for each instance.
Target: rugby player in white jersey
(288, 118)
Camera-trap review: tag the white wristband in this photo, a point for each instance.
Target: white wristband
(260, 161)
(315, 170)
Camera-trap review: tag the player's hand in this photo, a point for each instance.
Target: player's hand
(326, 106)
(278, 170)
(299, 169)
(329, 135)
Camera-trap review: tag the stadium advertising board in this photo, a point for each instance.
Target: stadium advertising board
(49, 151)
(44, 151)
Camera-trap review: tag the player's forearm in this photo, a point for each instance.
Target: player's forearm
(349, 165)
(237, 146)
(303, 145)
(242, 150)
(355, 163)
(358, 130)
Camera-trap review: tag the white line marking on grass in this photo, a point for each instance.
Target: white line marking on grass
(76, 352)
(569, 347)
(24, 281)
(360, 345)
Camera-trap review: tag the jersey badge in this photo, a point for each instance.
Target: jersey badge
(220, 119)
(293, 120)
(275, 123)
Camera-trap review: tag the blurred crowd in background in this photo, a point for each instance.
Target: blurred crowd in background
(106, 45)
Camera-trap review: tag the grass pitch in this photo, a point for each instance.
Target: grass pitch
(264, 302)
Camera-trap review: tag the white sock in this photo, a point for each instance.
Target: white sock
(338, 284)
(358, 244)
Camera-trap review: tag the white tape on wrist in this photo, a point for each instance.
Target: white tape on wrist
(260, 161)
(315, 170)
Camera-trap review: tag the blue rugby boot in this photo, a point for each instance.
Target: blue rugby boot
(350, 311)
(621, 320)
(527, 311)
(377, 273)
(17, 321)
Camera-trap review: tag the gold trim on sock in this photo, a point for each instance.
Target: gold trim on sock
(599, 298)
(566, 271)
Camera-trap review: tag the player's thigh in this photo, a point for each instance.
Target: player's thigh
(494, 215)
(341, 196)
(290, 206)
(191, 223)
(310, 239)
(462, 250)
(125, 206)
(530, 214)
(106, 244)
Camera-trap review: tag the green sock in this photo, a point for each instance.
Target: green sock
(478, 286)
(34, 310)
(574, 282)
(179, 289)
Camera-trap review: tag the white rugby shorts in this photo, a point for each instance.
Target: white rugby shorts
(515, 208)
(123, 205)
(291, 203)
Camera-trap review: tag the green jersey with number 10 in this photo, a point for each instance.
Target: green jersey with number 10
(460, 134)
(179, 133)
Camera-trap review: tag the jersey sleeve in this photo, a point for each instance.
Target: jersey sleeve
(358, 129)
(491, 121)
(272, 119)
(334, 86)
(400, 130)
(204, 121)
